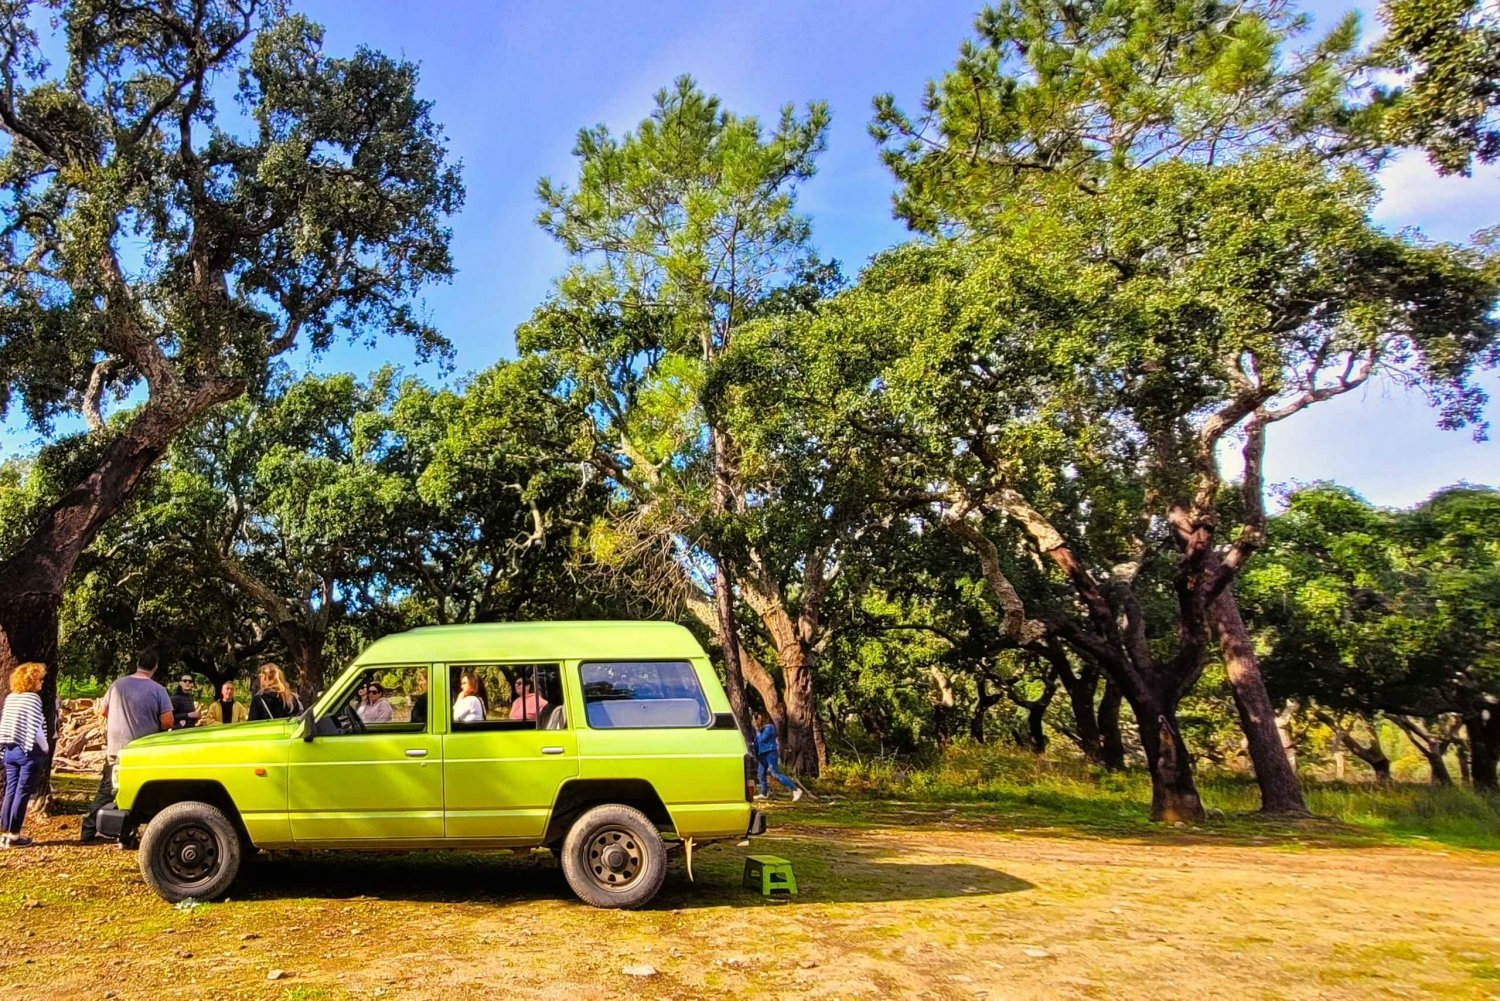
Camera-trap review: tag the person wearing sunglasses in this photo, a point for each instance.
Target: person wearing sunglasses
(185, 704)
(374, 707)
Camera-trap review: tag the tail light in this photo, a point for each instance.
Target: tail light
(750, 778)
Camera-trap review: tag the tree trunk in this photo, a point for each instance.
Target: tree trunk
(28, 632)
(1036, 735)
(799, 743)
(944, 707)
(1373, 756)
(1081, 687)
(765, 686)
(1439, 767)
(1174, 797)
(1280, 791)
(729, 637)
(1483, 729)
(307, 656)
(987, 700)
(1111, 741)
(819, 743)
(1287, 734)
(729, 648)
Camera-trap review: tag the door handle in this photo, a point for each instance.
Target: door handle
(416, 752)
(552, 750)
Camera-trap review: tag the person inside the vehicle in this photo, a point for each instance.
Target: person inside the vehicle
(528, 704)
(374, 707)
(419, 700)
(471, 706)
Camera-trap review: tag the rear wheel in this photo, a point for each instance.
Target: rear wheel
(614, 857)
(190, 850)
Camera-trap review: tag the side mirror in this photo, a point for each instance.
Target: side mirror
(309, 726)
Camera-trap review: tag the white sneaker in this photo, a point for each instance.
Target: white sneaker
(760, 795)
(796, 795)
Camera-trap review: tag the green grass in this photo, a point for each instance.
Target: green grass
(80, 688)
(1040, 793)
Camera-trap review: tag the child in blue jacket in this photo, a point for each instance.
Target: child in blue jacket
(767, 749)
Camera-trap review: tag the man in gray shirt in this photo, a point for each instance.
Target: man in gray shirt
(134, 706)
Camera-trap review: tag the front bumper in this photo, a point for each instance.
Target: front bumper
(757, 824)
(111, 822)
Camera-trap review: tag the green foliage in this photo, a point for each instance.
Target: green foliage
(1370, 610)
(320, 211)
(1448, 102)
(336, 510)
(1068, 96)
(693, 213)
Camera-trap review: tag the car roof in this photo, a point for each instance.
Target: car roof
(483, 642)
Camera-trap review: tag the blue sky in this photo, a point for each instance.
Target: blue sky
(512, 83)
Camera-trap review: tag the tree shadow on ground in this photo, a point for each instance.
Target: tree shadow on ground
(825, 873)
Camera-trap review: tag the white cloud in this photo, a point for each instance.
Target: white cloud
(1444, 208)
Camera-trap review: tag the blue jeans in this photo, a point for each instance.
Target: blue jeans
(21, 767)
(765, 764)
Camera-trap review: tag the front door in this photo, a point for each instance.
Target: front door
(374, 770)
(502, 770)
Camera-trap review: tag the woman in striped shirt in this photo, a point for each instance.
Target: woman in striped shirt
(23, 746)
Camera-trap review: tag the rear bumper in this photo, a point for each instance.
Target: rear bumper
(757, 824)
(111, 822)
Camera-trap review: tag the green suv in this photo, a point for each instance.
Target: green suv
(600, 741)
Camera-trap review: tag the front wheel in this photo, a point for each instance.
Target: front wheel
(190, 850)
(614, 857)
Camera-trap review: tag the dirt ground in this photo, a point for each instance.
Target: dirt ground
(895, 901)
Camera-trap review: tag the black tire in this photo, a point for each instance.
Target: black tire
(614, 857)
(190, 849)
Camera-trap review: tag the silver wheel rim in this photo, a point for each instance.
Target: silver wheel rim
(615, 858)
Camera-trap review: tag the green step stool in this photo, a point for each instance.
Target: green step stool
(770, 874)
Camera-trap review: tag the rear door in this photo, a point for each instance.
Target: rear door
(501, 775)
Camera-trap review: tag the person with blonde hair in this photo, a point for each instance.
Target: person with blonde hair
(275, 700)
(23, 746)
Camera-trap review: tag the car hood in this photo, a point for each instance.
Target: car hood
(259, 730)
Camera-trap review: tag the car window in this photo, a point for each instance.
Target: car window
(381, 700)
(642, 693)
(507, 697)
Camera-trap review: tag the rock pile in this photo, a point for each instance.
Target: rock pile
(80, 737)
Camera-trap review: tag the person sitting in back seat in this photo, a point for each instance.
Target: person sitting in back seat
(527, 705)
(470, 705)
